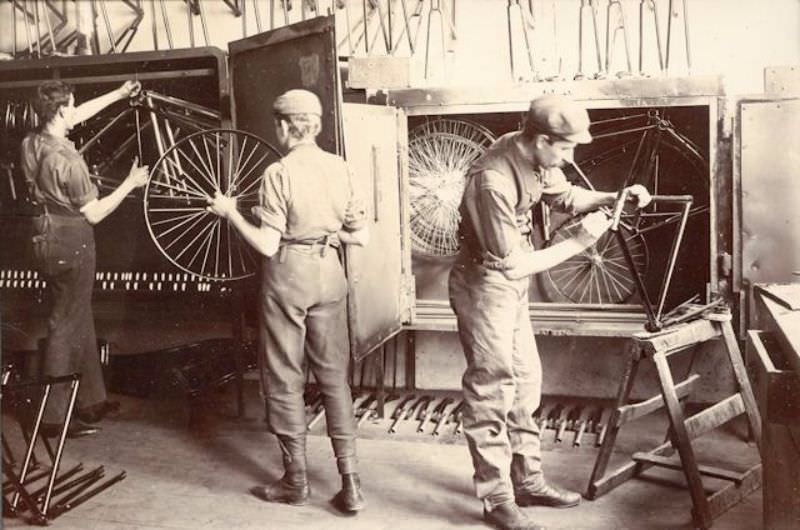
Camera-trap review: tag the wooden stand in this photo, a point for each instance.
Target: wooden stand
(659, 347)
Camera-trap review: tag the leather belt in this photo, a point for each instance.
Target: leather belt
(324, 242)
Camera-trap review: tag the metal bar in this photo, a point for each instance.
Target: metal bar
(38, 27)
(686, 34)
(153, 24)
(203, 22)
(61, 441)
(97, 79)
(109, 29)
(166, 24)
(257, 14)
(673, 257)
(23, 474)
(190, 22)
(116, 119)
(49, 28)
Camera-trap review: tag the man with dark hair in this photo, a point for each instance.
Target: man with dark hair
(307, 208)
(489, 294)
(64, 246)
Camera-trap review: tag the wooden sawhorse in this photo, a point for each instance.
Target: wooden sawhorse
(659, 346)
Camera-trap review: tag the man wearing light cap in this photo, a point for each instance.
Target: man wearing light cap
(489, 294)
(307, 209)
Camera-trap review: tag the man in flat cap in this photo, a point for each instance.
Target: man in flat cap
(489, 293)
(307, 209)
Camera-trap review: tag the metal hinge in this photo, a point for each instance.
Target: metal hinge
(725, 264)
(408, 297)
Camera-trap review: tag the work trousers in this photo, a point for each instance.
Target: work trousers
(304, 321)
(502, 383)
(71, 344)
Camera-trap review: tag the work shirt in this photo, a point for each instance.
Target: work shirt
(59, 173)
(502, 187)
(308, 195)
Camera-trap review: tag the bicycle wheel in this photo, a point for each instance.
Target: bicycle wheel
(599, 274)
(440, 152)
(189, 173)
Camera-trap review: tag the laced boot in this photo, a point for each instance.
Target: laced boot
(349, 498)
(508, 516)
(292, 488)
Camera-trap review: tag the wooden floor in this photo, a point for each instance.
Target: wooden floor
(190, 467)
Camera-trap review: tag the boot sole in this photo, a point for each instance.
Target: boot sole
(260, 495)
(347, 509)
(548, 504)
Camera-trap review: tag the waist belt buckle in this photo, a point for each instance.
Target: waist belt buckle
(325, 243)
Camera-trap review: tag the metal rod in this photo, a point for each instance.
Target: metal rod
(61, 441)
(49, 28)
(673, 257)
(166, 23)
(203, 23)
(38, 28)
(190, 22)
(686, 34)
(153, 24)
(669, 33)
(23, 474)
(257, 14)
(244, 18)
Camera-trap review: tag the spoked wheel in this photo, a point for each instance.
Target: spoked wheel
(181, 182)
(440, 153)
(599, 274)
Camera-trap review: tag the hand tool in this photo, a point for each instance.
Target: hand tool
(400, 411)
(441, 413)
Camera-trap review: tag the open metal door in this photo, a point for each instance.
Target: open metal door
(262, 67)
(381, 286)
(770, 191)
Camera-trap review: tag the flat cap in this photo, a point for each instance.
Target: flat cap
(560, 116)
(297, 101)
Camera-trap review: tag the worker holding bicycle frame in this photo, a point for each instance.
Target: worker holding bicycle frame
(64, 246)
(488, 291)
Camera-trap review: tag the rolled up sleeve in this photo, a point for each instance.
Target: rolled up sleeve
(558, 192)
(495, 213)
(77, 187)
(273, 198)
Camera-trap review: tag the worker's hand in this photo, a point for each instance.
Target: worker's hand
(138, 175)
(595, 224)
(222, 205)
(130, 88)
(513, 265)
(639, 193)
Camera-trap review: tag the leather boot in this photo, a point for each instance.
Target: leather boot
(292, 488)
(349, 498)
(508, 516)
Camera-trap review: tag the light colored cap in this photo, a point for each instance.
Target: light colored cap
(297, 101)
(560, 116)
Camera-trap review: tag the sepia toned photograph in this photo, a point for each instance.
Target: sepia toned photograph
(400, 264)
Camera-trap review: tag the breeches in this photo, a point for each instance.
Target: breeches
(304, 321)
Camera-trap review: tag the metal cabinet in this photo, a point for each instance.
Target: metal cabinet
(679, 119)
(242, 89)
(371, 138)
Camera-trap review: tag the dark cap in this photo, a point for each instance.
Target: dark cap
(297, 101)
(560, 116)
